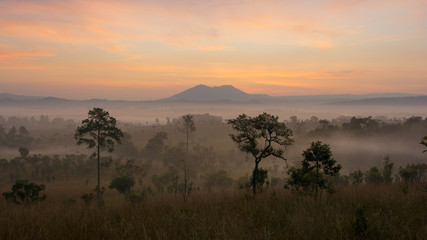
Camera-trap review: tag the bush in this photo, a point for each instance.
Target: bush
(123, 184)
(24, 192)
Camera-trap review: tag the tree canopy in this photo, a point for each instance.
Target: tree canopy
(261, 136)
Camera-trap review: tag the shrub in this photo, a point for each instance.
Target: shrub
(123, 184)
(24, 192)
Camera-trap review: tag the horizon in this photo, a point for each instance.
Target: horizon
(161, 98)
(131, 50)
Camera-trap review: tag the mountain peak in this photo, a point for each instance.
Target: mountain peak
(203, 93)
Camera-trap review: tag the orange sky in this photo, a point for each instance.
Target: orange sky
(152, 49)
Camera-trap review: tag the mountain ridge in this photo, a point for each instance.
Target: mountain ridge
(230, 94)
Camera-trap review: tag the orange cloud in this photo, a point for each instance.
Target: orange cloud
(320, 44)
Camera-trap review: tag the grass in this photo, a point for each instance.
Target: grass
(388, 212)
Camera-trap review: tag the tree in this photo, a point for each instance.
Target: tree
(318, 157)
(387, 170)
(154, 147)
(98, 131)
(261, 136)
(424, 142)
(188, 128)
(123, 184)
(374, 176)
(357, 176)
(25, 192)
(23, 152)
(300, 180)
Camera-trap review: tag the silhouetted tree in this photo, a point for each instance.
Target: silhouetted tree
(23, 152)
(154, 146)
(123, 184)
(188, 128)
(374, 176)
(25, 192)
(387, 170)
(357, 177)
(261, 136)
(98, 131)
(319, 158)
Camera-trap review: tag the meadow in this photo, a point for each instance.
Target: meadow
(354, 212)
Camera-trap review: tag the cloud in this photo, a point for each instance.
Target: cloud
(112, 48)
(9, 52)
(215, 48)
(319, 44)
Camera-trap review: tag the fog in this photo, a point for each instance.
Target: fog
(147, 112)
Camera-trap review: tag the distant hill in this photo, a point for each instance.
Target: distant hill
(228, 94)
(225, 93)
(17, 97)
(402, 101)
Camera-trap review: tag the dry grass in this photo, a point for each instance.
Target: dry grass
(390, 214)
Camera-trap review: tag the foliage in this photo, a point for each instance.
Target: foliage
(374, 176)
(98, 131)
(357, 176)
(24, 192)
(261, 179)
(168, 181)
(424, 142)
(387, 170)
(319, 158)
(23, 152)
(188, 127)
(154, 146)
(123, 184)
(261, 136)
(413, 173)
(301, 181)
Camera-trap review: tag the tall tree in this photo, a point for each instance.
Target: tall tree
(261, 136)
(318, 157)
(188, 128)
(98, 131)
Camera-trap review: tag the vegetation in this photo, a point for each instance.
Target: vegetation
(372, 192)
(123, 184)
(424, 142)
(188, 127)
(98, 131)
(261, 136)
(364, 212)
(316, 166)
(318, 158)
(24, 192)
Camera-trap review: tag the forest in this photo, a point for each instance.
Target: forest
(193, 177)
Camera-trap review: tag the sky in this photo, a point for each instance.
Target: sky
(141, 50)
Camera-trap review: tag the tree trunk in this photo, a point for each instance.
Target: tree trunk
(317, 177)
(99, 171)
(254, 176)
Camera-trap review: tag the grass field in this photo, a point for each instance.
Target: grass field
(354, 212)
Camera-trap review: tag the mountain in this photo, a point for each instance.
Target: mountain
(225, 93)
(17, 97)
(228, 94)
(393, 101)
